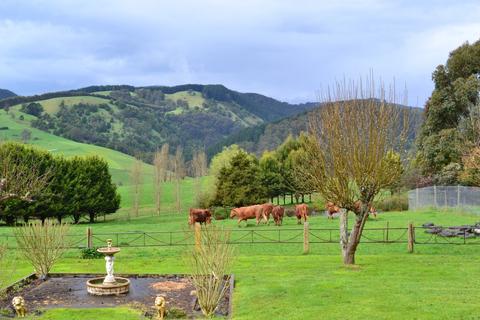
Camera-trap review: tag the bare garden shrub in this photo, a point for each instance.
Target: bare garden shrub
(42, 244)
(210, 263)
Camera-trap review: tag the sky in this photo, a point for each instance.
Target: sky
(289, 50)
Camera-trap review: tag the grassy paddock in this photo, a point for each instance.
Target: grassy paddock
(278, 281)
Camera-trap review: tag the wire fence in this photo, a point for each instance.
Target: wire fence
(385, 235)
(459, 197)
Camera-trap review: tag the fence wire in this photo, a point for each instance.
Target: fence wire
(458, 197)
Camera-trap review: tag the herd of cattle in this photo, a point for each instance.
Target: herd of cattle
(258, 212)
(261, 212)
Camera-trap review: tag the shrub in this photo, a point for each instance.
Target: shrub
(42, 244)
(209, 263)
(91, 253)
(398, 202)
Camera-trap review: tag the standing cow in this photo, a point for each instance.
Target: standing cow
(331, 208)
(267, 210)
(301, 212)
(277, 214)
(371, 209)
(199, 215)
(250, 212)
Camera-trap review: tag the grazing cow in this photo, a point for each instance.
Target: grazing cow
(277, 214)
(250, 212)
(267, 210)
(301, 211)
(331, 208)
(199, 215)
(371, 209)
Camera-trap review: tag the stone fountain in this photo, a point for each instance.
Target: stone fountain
(108, 285)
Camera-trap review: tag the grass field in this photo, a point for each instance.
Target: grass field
(277, 281)
(52, 105)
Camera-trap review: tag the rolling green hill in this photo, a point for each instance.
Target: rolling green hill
(137, 121)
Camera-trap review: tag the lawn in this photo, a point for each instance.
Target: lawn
(277, 281)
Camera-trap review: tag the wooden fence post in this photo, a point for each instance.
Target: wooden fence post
(198, 236)
(411, 237)
(306, 243)
(89, 238)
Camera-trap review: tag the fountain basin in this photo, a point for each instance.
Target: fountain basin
(97, 287)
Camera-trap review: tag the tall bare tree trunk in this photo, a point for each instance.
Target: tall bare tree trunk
(136, 185)
(161, 165)
(179, 171)
(199, 164)
(344, 231)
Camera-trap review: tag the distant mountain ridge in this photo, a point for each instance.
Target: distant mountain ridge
(268, 136)
(137, 120)
(4, 93)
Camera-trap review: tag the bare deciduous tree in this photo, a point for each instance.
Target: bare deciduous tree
(42, 244)
(137, 179)
(160, 162)
(179, 172)
(210, 263)
(200, 169)
(346, 157)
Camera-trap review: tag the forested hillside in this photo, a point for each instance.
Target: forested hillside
(268, 136)
(137, 121)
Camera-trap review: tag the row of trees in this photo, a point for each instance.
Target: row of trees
(173, 168)
(241, 178)
(36, 184)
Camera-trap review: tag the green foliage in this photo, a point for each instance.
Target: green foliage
(238, 183)
(271, 175)
(456, 92)
(223, 159)
(397, 202)
(91, 253)
(32, 108)
(75, 186)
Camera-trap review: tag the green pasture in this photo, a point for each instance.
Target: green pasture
(278, 281)
(52, 105)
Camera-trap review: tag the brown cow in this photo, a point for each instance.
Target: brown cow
(267, 210)
(277, 214)
(301, 211)
(331, 209)
(371, 209)
(250, 212)
(199, 215)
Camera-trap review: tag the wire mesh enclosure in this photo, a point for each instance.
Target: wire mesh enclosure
(466, 198)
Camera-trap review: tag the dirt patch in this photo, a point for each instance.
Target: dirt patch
(71, 292)
(170, 285)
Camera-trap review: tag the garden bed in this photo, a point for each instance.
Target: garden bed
(70, 291)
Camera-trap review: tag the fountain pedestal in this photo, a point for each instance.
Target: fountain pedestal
(108, 285)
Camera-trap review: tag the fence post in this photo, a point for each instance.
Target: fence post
(198, 235)
(306, 243)
(411, 237)
(435, 196)
(89, 238)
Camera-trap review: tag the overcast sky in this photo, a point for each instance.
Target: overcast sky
(285, 49)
